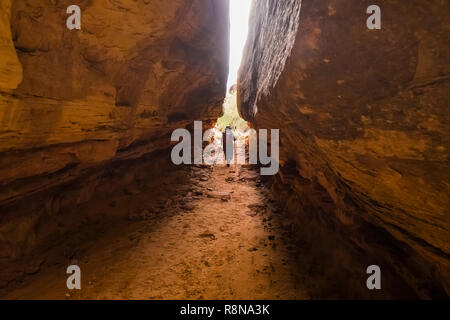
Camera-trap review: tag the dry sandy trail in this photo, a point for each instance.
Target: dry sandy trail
(203, 245)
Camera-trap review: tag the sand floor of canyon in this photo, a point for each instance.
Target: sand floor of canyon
(220, 239)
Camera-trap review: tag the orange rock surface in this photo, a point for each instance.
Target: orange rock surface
(364, 133)
(76, 101)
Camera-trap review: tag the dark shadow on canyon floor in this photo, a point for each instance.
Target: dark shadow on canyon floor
(155, 231)
(198, 233)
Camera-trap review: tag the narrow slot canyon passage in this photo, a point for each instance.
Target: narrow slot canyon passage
(209, 232)
(218, 236)
(99, 142)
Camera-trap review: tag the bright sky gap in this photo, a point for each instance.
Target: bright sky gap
(239, 16)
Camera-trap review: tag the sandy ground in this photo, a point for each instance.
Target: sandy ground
(219, 240)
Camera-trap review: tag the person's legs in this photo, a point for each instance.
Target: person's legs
(229, 150)
(228, 158)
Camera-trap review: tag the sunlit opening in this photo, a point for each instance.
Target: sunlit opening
(239, 18)
(239, 15)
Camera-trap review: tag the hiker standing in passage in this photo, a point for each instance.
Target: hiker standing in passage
(228, 139)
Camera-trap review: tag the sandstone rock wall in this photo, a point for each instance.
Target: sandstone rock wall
(364, 127)
(72, 101)
(10, 67)
(135, 71)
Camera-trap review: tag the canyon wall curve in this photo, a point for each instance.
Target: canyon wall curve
(364, 136)
(74, 102)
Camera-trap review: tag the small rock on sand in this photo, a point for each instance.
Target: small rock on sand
(188, 207)
(226, 197)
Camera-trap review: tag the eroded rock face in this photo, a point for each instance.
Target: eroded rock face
(364, 132)
(71, 101)
(10, 67)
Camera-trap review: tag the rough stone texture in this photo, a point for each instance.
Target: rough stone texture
(10, 67)
(112, 91)
(364, 132)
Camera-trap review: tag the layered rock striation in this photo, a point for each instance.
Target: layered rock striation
(72, 101)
